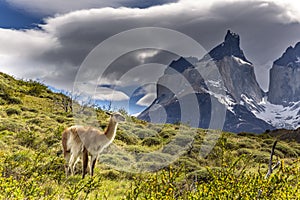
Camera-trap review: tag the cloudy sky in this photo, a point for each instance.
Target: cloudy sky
(49, 40)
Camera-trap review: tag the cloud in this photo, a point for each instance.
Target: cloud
(147, 99)
(290, 9)
(143, 56)
(90, 90)
(55, 52)
(45, 7)
(107, 94)
(149, 92)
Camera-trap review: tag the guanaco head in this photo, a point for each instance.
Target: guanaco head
(117, 117)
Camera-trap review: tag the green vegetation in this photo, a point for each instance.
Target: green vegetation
(32, 119)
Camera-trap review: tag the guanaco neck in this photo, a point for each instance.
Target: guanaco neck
(111, 129)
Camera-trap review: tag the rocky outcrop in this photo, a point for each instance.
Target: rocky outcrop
(284, 86)
(237, 72)
(239, 78)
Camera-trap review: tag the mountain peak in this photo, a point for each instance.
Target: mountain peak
(291, 57)
(232, 38)
(230, 47)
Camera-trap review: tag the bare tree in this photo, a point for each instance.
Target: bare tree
(67, 104)
(272, 168)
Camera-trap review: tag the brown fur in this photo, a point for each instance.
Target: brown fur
(67, 133)
(85, 160)
(75, 135)
(65, 136)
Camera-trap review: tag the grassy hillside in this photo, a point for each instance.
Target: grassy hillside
(31, 164)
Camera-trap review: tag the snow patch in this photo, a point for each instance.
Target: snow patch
(225, 100)
(240, 61)
(214, 83)
(248, 100)
(280, 116)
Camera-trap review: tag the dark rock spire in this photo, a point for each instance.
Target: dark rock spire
(291, 57)
(230, 47)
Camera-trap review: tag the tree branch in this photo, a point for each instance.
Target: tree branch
(271, 169)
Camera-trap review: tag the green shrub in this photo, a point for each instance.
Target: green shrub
(151, 141)
(36, 121)
(111, 174)
(70, 115)
(190, 164)
(156, 127)
(231, 145)
(245, 134)
(28, 139)
(23, 108)
(119, 161)
(139, 126)
(135, 148)
(36, 88)
(216, 183)
(125, 126)
(249, 144)
(33, 110)
(167, 133)
(268, 141)
(286, 150)
(14, 100)
(243, 151)
(268, 151)
(201, 175)
(7, 96)
(143, 133)
(261, 157)
(60, 119)
(162, 158)
(51, 140)
(2, 102)
(11, 125)
(13, 111)
(126, 137)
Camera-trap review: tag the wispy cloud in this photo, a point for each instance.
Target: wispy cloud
(149, 92)
(107, 94)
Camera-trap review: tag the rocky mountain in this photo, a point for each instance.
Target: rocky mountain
(285, 78)
(236, 71)
(282, 106)
(182, 90)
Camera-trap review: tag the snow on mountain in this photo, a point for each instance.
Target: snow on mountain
(280, 116)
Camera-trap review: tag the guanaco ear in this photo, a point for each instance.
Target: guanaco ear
(73, 130)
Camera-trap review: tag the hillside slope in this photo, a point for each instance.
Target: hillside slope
(31, 165)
